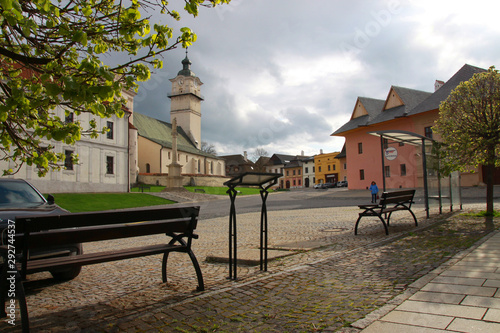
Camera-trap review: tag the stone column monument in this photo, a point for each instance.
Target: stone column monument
(174, 179)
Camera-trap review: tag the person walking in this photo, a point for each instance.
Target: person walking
(374, 191)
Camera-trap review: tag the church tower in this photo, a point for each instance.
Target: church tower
(185, 102)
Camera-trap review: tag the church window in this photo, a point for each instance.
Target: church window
(148, 168)
(109, 165)
(110, 133)
(68, 159)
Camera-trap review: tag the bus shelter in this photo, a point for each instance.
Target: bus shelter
(264, 181)
(438, 190)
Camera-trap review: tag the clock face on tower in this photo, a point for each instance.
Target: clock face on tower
(181, 82)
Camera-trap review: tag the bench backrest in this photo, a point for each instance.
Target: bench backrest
(71, 228)
(396, 197)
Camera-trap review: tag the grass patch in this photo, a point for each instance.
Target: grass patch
(90, 202)
(152, 188)
(482, 213)
(223, 190)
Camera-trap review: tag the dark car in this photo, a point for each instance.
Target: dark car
(329, 185)
(342, 183)
(20, 198)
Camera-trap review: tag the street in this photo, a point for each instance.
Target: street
(323, 198)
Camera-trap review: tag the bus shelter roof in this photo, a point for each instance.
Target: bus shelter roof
(403, 136)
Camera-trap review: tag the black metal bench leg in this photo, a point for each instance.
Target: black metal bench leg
(3, 288)
(385, 225)
(201, 285)
(19, 295)
(389, 218)
(356, 227)
(164, 267)
(23, 306)
(414, 217)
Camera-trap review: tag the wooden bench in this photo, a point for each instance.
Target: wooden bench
(200, 190)
(32, 233)
(389, 203)
(143, 187)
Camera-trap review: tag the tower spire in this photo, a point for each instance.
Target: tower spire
(186, 67)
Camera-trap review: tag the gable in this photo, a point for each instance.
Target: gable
(359, 110)
(393, 100)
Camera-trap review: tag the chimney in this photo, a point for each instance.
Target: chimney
(245, 156)
(438, 84)
(321, 151)
(301, 153)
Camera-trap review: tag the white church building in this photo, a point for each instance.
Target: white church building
(135, 144)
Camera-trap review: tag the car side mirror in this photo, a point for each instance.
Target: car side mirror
(50, 199)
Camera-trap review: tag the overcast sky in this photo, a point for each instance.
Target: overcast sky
(284, 74)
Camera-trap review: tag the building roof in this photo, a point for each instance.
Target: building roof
(186, 68)
(160, 132)
(237, 159)
(414, 102)
(293, 164)
(432, 102)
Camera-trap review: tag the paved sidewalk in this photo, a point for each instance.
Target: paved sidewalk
(462, 295)
(325, 288)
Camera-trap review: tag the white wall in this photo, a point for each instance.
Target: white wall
(89, 175)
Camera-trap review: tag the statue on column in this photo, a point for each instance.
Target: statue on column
(174, 179)
(174, 141)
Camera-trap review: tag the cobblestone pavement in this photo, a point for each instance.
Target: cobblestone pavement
(323, 289)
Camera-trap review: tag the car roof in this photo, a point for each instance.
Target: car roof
(13, 180)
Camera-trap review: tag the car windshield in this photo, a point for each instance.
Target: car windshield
(18, 194)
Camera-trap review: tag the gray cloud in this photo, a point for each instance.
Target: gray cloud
(283, 74)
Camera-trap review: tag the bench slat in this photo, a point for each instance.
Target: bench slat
(74, 220)
(99, 257)
(99, 233)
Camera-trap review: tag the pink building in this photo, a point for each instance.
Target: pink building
(406, 110)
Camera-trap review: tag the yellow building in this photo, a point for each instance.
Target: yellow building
(327, 168)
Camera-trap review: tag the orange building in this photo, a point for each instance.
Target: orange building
(293, 174)
(327, 168)
(404, 109)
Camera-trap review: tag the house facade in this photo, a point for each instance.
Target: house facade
(105, 164)
(238, 164)
(403, 109)
(327, 168)
(342, 158)
(293, 177)
(276, 164)
(308, 170)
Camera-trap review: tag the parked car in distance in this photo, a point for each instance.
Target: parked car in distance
(342, 183)
(320, 186)
(329, 185)
(20, 198)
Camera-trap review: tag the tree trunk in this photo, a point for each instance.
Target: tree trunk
(489, 196)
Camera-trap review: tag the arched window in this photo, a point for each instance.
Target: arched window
(148, 168)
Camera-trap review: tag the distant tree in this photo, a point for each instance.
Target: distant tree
(51, 55)
(259, 159)
(258, 152)
(208, 148)
(469, 125)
